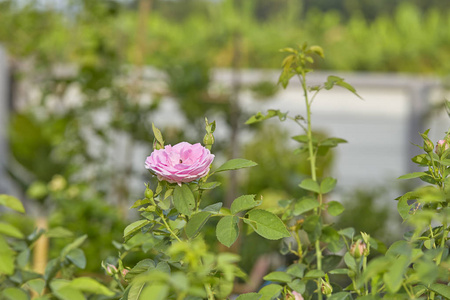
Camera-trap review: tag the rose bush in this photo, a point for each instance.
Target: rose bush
(180, 163)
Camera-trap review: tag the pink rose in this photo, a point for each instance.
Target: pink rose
(181, 163)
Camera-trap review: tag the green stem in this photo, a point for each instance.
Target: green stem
(364, 266)
(312, 161)
(209, 291)
(168, 227)
(410, 294)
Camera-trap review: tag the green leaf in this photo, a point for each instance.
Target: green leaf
(318, 50)
(404, 208)
(335, 208)
(421, 159)
(133, 228)
(297, 285)
(445, 162)
(227, 230)
(11, 202)
(270, 114)
(297, 270)
(53, 266)
(350, 262)
(6, 258)
(339, 271)
(270, 291)
(327, 185)
(59, 232)
(332, 142)
(244, 202)
(155, 291)
(234, 164)
(183, 199)
(36, 285)
(209, 185)
(393, 278)
(335, 80)
(139, 268)
(267, 224)
(310, 185)
(76, 256)
(135, 291)
(315, 274)
(75, 244)
(278, 276)
(158, 135)
(196, 222)
(68, 293)
(140, 202)
(10, 230)
(301, 139)
(347, 232)
(12, 293)
(413, 175)
(313, 227)
(215, 208)
(441, 289)
(341, 296)
(304, 205)
(249, 296)
(89, 285)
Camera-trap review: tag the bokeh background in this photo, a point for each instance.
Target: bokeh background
(81, 82)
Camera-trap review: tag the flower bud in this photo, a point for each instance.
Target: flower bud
(111, 269)
(441, 146)
(428, 145)
(208, 140)
(325, 287)
(148, 193)
(358, 249)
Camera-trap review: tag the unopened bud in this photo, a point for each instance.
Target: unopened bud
(208, 140)
(325, 287)
(441, 146)
(358, 249)
(111, 269)
(148, 193)
(428, 145)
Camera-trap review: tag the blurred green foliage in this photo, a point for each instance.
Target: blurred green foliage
(406, 36)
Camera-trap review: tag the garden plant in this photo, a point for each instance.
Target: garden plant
(328, 262)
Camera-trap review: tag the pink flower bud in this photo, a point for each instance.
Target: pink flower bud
(111, 269)
(358, 249)
(441, 146)
(125, 272)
